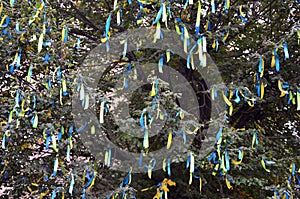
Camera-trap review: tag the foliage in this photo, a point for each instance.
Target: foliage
(254, 44)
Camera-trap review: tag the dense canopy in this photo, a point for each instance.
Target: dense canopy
(211, 90)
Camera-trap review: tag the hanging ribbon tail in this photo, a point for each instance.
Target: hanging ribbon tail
(107, 25)
(254, 140)
(228, 183)
(40, 44)
(169, 142)
(71, 184)
(55, 167)
(102, 108)
(277, 64)
(107, 157)
(34, 121)
(68, 153)
(198, 18)
(160, 64)
(273, 58)
(158, 16)
(263, 163)
(169, 168)
(213, 7)
(286, 52)
(184, 137)
(226, 6)
(142, 120)
(78, 43)
(293, 169)
(227, 163)
(237, 97)
(242, 14)
(192, 163)
(298, 99)
(3, 141)
(146, 139)
(141, 158)
(219, 135)
(243, 19)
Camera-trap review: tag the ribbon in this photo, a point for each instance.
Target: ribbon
(169, 168)
(160, 64)
(237, 97)
(142, 120)
(242, 14)
(219, 136)
(228, 183)
(6, 19)
(262, 89)
(186, 4)
(298, 99)
(55, 167)
(226, 6)
(141, 158)
(119, 16)
(169, 142)
(293, 169)
(72, 183)
(54, 144)
(86, 101)
(12, 3)
(34, 121)
(225, 36)
(227, 161)
(240, 157)
(264, 162)
(159, 14)
(47, 58)
(91, 180)
(192, 166)
(228, 103)
(164, 13)
(40, 43)
(125, 47)
(254, 140)
(168, 55)
(158, 33)
(81, 92)
(186, 40)
(4, 140)
(215, 44)
(213, 6)
(275, 60)
(127, 180)
(68, 153)
(146, 139)
(93, 130)
(107, 157)
(198, 18)
(286, 52)
(107, 33)
(102, 107)
(261, 66)
(281, 87)
(150, 167)
(115, 4)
